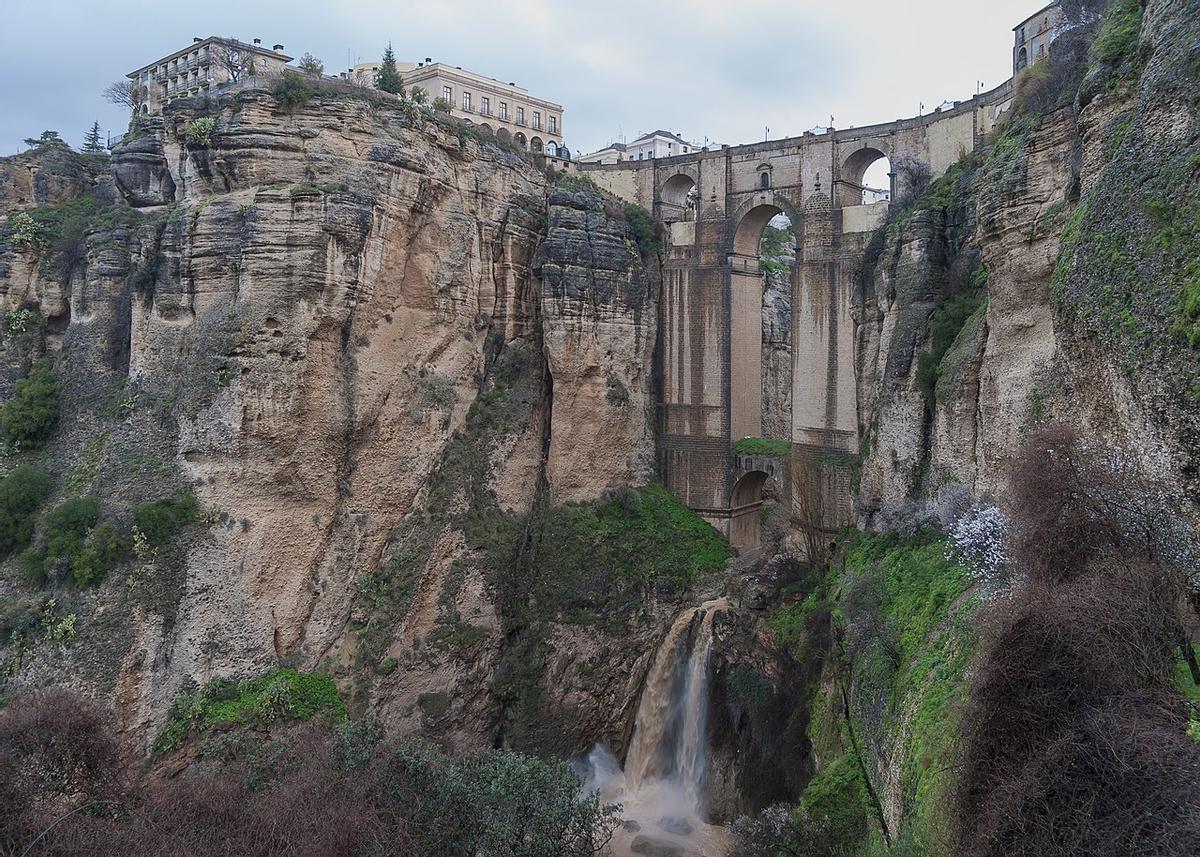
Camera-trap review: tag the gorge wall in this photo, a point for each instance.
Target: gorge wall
(369, 344)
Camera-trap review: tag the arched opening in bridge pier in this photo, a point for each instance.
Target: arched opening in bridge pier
(763, 255)
(745, 530)
(866, 178)
(677, 199)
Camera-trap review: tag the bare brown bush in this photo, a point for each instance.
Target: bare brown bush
(1074, 733)
(58, 760)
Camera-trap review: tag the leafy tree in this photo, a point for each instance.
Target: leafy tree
(419, 95)
(93, 142)
(21, 495)
(389, 79)
(48, 138)
(312, 66)
(32, 414)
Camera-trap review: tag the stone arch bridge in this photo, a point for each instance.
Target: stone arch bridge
(716, 205)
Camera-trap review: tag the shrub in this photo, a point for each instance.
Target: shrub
(21, 495)
(102, 552)
(159, 520)
(977, 540)
(58, 753)
(644, 228)
(31, 415)
(293, 91)
(1075, 736)
(24, 229)
(200, 130)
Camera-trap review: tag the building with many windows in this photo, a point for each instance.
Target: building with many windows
(1034, 35)
(504, 109)
(204, 64)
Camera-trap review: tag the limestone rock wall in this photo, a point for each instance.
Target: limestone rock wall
(1077, 217)
(297, 323)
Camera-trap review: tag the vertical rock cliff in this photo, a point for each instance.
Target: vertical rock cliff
(358, 334)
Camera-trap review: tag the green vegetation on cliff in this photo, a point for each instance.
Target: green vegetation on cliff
(597, 561)
(29, 418)
(283, 694)
(893, 677)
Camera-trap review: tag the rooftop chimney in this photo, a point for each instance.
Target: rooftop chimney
(258, 41)
(277, 47)
(196, 39)
(428, 59)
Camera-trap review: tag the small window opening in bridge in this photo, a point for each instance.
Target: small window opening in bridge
(764, 181)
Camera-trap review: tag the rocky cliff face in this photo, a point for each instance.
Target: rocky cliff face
(349, 329)
(1074, 222)
(1049, 277)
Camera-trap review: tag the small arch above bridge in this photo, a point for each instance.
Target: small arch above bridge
(853, 174)
(677, 198)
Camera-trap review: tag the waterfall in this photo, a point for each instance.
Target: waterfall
(661, 787)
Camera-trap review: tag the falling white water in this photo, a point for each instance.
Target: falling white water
(660, 789)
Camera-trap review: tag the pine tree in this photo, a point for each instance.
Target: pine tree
(388, 78)
(94, 141)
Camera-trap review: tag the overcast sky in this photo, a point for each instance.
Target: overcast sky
(721, 69)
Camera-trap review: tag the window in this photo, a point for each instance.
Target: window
(685, 150)
(764, 181)
(520, 115)
(537, 119)
(448, 94)
(466, 100)
(485, 105)
(504, 110)
(553, 124)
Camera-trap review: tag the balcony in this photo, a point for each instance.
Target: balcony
(520, 121)
(537, 126)
(483, 111)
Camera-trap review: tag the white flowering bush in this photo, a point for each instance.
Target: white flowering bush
(977, 541)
